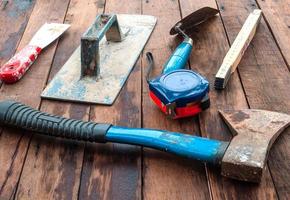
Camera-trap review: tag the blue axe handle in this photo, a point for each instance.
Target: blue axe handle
(179, 57)
(18, 115)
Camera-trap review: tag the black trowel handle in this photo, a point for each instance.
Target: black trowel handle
(18, 115)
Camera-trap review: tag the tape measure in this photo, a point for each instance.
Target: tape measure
(179, 93)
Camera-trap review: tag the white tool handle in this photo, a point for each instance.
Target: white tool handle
(238, 48)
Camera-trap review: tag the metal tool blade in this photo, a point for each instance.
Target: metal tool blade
(194, 19)
(117, 59)
(254, 133)
(47, 34)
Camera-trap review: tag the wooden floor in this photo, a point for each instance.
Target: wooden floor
(35, 167)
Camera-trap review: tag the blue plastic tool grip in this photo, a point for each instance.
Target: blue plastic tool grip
(179, 57)
(21, 116)
(198, 148)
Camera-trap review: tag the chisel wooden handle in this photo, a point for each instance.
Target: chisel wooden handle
(15, 68)
(237, 50)
(18, 115)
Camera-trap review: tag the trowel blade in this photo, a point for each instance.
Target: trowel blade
(47, 34)
(194, 19)
(117, 60)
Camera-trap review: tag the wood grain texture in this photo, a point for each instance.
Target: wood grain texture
(53, 166)
(277, 15)
(210, 40)
(26, 91)
(17, 12)
(113, 171)
(167, 176)
(57, 163)
(59, 169)
(265, 78)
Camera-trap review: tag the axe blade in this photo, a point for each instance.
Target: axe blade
(254, 133)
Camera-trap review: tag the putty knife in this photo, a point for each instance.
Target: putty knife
(15, 68)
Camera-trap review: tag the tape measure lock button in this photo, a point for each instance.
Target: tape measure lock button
(170, 110)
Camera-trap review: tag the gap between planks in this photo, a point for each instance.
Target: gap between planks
(40, 103)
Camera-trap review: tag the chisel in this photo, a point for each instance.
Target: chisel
(15, 68)
(237, 50)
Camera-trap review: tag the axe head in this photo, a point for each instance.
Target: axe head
(254, 133)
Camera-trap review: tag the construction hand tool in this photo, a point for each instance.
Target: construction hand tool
(179, 92)
(98, 69)
(237, 50)
(243, 158)
(16, 67)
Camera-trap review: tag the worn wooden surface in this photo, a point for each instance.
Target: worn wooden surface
(161, 176)
(37, 167)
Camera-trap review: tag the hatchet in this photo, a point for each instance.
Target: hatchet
(243, 158)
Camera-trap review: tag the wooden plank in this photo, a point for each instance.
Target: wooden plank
(113, 171)
(56, 163)
(16, 13)
(14, 143)
(53, 166)
(211, 41)
(277, 15)
(265, 78)
(167, 176)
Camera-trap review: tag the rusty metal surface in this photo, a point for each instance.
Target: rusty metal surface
(90, 51)
(116, 62)
(194, 19)
(254, 133)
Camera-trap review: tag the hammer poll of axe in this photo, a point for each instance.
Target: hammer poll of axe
(243, 158)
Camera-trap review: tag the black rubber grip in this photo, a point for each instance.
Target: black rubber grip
(18, 115)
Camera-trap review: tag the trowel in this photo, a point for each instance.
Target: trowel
(16, 67)
(99, 67)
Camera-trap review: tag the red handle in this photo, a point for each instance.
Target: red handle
(15, 68)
